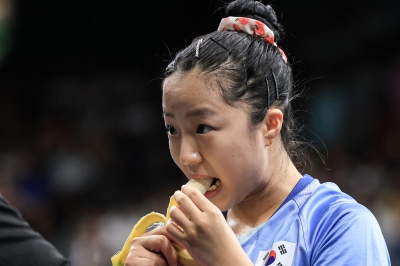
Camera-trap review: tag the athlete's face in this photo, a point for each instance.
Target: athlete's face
(209, 138)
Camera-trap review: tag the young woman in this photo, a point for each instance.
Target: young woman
(227, 109)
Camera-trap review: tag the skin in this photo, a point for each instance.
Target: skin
(141, 251)
(209, 138)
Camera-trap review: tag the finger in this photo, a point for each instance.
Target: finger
(179, 219)
(176, 233)
(161, 244)
(186, 204)
(139, 255)
(144, 262)
(160, 231)
(197, 199)
(163, 231)
(157, 231)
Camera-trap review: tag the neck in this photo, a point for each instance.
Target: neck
(258, 207)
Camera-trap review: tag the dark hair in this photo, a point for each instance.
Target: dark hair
(247, 69)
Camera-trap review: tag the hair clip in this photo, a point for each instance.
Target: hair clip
(198, 48)
(229, 51)
(245, 71)
(266, 80)
(276, 85)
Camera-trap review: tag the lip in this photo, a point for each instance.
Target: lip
(198, 176)
(212, 194)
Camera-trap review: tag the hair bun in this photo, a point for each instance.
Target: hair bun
(256, 10)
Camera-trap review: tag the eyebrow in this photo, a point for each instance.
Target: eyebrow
(201, 112)
(164, 114)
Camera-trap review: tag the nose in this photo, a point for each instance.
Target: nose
(189, 154)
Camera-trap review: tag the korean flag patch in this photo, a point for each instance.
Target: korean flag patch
(281, 254)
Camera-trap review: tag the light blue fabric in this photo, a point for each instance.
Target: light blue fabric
(321, 226)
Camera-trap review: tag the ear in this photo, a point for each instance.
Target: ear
(272, 125)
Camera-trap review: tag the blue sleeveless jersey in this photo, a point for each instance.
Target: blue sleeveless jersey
(320, 225)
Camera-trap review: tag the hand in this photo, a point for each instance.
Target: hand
(202, 229)
(152, 249)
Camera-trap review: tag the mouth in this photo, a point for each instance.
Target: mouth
(214, 185)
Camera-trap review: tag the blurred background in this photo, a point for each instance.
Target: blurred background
(83, 150)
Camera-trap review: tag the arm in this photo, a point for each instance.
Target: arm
(21, 245)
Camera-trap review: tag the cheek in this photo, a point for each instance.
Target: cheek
(239, 158)
(230, 154)
(238, 147)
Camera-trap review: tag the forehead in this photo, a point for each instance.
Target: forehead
(190, 89)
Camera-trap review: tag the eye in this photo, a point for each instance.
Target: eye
(170, 130)
(202, 129)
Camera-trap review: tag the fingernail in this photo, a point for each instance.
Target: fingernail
(173, 222)
(183, 186)
(176, 225)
